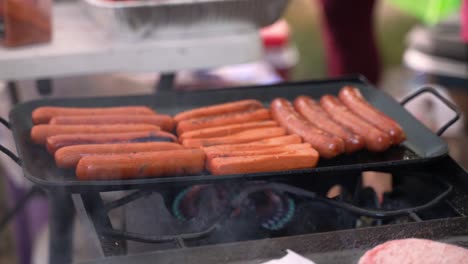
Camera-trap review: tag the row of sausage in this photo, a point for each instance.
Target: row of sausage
(237, 137)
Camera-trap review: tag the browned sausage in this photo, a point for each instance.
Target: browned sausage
(221, 131)
(164, 121)
(238, 138)
(312, 111)
(326, 144)
(257, 145)
(56, 142)
(68, 157)
(376, 140)
(39, 133)
(284, 140)
(42, 115)
(219, 109)
(300, 159)
(353, 99)
(222, 120)
(141, 165)
(255, 151)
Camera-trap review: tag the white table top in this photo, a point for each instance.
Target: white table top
(79, 47)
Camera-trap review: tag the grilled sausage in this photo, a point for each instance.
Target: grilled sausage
(255, 151)
(56, 142)
(219, 109)
(300, 159)
(312, 111)
(42, 115)
(376, 140)
(228, 130)
(353, 99)
(164, 121)
(39, 133)
(257, 145)
(284, 140)
(222, 120)
(141, 165)
(68, 157)
(241, 137)
(326, 144)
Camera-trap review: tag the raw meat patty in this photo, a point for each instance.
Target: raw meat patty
(413, 251)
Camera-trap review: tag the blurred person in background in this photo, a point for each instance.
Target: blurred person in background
(350, 42)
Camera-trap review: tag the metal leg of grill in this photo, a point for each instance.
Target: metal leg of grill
(13, 92)
(44, 87)
(166, 82)
(61, 227)
(94, 207)
(92, 236)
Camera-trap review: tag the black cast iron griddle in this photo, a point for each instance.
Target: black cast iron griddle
(38, 165)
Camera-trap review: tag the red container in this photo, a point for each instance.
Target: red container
(279, 52)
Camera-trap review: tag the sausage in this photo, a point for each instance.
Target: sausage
(326, 144)
(376, 140)
(219, 109)
(258, 145)
(166, 122)
(312, 111)
(228, 130)
(255, 151)
(300, 159)
(222, 120)
(56, 142)
(68, 157)
(42, 115)
(141, 165)
(353, 99)
(241, 137)
(284, 140)
(39, 133)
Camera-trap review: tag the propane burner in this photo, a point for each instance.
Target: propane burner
(272, 210)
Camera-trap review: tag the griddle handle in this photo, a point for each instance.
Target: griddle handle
(5, 122)
(452, 106)
(10, 154)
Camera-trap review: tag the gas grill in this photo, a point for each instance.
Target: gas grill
(252, 217)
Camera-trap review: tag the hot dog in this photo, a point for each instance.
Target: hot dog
(312, 111)
(219, 109)
(68, 157)
(56, 142)
(141, 165)
(300, 159)
(222, 120)
(326, 144)
(353, 99)
(39, 133)
(376, 140)
(269, 150)
(42, 115)
(164, 121)
(284, 140)
(241, 137)
(228, 130)
(257, 145)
